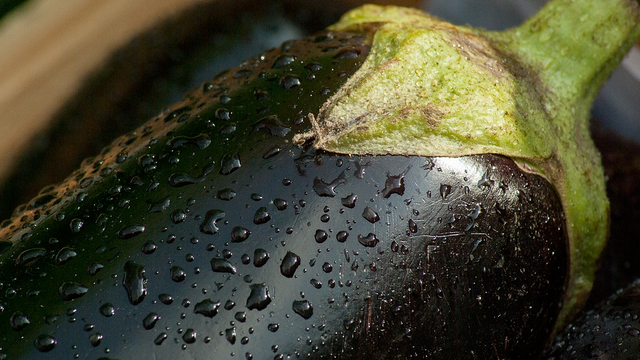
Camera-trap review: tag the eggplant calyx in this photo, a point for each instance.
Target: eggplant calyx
(431, 88)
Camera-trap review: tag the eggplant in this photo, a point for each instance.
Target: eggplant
(609, 331)
(308, 204)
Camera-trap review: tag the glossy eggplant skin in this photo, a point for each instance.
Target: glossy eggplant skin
(609, 331)
(208, 234)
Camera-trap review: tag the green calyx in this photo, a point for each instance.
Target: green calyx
(430, 88)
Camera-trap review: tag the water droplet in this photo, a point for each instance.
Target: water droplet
(226, 194)
(64, 255)
(445, 190)
(45, 343)
(241, 316)
(189, 336)
(134, 282)
(349, 201)
(222, 265)
(230, 164)
(76, 225)
(326, 267)
(283, 60)
(272, 152)
(272, 125)
(72, 290)
(223, 114)
(261, 216)
(348, 53)
(149, 247)
(177, 216)
(150, 320)
(320, 236)
(342, 236)
(207, 307)
(95, 339)
(289, 264)
(413, 227)
(107, 310)
(239, 234)
(165, 299)
(230, 335)
(202, 141)
(160, 206)
(209, 224)
(303, 308)
(260, 257)
(370, 215)
(29, 257)
(280, 204)
(178, 274)
(370, 240)
(94, 267)
(160, 338)
(259, 297)
(323, 188)
(128, 232)
(393, 185)
(316, 283)
(273, 327)
(290, 81)
(19, 321)
(182, 179)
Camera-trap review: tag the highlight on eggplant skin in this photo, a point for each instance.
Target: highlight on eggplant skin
(207, 232)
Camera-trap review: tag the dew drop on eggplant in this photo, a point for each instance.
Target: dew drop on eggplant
(303, 308)
(189, 336)
(283, 60)
(289, 264)
(207, 308)
(230, 335)
(223, 114)
(370, 215)
(165, 298)
(94, 268)
(177, 216)
(222, 265)
(209, 224)
(349, 201)
(182, 179)
(30, 256)
(320, 236)
(290, 81)
(129, 232)
(178, 274)
(241, 316)
(95, 339)
(45, 343)
(259, 297)
(239, 234)
(226, 194)
(342, 236)
(65, 255)
(260, 257)
(261, 216)
(370, 240)
(19, 321)
(327, 268)
(160, 338)
(72, 290)
(149, 247)
(76, 225)
(322, 188)
(281, 204)
(150, 320)
(393, 185)
(413, 227)
(445, 190)
(134, 282)
(230, 164)
(107, 310)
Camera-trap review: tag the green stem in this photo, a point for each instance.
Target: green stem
(553, 40)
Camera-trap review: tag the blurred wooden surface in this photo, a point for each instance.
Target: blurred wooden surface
(50, 46)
